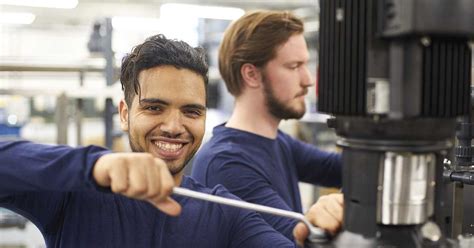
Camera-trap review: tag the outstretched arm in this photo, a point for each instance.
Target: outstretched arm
(31, 168)
(247, 183)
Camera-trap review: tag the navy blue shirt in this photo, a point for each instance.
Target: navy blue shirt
(265, 171)
(52, 186)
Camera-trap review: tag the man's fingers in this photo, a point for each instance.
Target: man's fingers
(168, 206)
(335, 209)
(119, 179)
(138, 182)
(100, 170)
(325, 221)
(154, 183)
(339, 197)
(167, 181)
(300, 233)
(328, 213)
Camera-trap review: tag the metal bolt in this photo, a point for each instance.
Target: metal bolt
(426, 41)
(339, 14)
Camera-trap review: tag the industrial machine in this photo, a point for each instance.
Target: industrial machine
(396, 76)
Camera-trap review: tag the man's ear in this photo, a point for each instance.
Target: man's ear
(123, 112)
(251, 75)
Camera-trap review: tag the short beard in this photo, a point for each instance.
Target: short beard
(277, 108)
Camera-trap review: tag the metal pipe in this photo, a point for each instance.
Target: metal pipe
(316, 235)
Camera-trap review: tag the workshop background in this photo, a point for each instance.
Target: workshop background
(59, 64)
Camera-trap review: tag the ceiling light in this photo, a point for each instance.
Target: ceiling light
(59, 4)
(199, 11)
(135, 23)
(17, 18)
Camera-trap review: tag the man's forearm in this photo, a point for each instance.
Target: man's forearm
(27, 166)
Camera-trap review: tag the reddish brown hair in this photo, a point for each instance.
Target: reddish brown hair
(253, 39)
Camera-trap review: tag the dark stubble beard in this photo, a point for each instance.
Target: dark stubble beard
(174, 170)
(277, 108)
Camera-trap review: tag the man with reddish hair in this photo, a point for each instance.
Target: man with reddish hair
(263, 60)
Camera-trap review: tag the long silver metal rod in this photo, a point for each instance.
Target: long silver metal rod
(316, 234)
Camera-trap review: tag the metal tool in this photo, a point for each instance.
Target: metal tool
(316, 235)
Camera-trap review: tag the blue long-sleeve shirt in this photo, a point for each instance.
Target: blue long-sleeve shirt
(53, 187)
(265, 171)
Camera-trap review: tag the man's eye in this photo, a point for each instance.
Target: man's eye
(193, 113)
(294, 67)
(153, 108)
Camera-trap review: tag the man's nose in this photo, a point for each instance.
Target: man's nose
(172, 124)
(306, 79)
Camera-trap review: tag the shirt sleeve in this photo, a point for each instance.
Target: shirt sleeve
(248, 229)
(36, 180)
(252, 231)
(250, 185)
(32, 167)
(316, 166)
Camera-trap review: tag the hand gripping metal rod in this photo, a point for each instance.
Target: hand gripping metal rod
(316, 235)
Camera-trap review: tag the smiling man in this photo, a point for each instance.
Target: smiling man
(168, 117)
(263, 59)
(163, 112)
(87, 197)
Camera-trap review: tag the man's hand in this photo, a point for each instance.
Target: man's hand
(137, 175)
(326, 213)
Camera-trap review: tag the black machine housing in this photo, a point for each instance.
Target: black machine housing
(395, 74)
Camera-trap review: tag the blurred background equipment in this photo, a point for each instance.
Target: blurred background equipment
(14, 113)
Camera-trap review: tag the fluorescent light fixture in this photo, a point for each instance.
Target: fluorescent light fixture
(177, 10)
(135, 23)
(58, 4)
(17, 18)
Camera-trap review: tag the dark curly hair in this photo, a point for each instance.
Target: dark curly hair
(157, 51)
